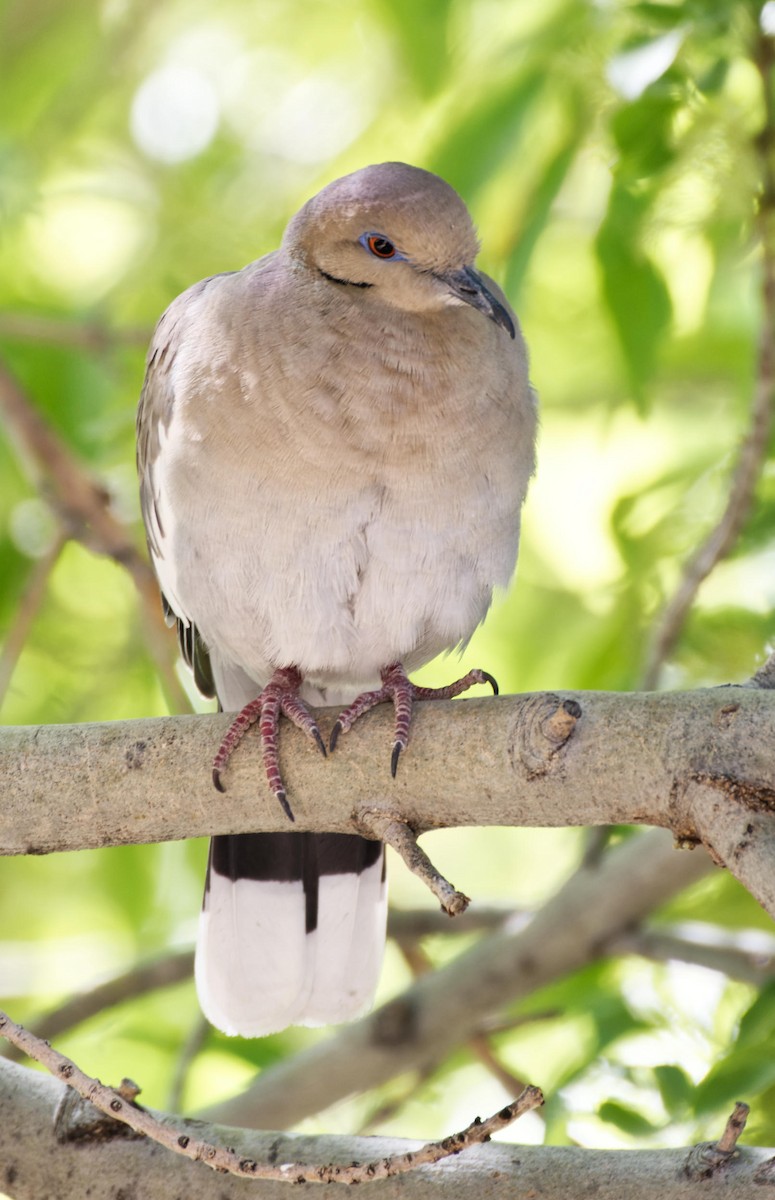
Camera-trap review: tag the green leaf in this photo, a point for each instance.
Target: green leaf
(758, 1023)
(422, 33)
(476, 144)
(643, 133)
(712, 81)
(740, 1075)
(636, 295)
(661, 16)
(539, 207)
(626, 1119)
(613, 1018)
(675, 1088)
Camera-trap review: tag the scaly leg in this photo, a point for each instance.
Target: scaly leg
(281, 695)
(398, 688)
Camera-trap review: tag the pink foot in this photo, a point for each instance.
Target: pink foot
(397, 687)
(281, 695)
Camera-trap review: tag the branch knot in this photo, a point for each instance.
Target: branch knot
(543, 727)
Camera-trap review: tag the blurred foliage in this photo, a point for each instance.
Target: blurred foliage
(610, 153)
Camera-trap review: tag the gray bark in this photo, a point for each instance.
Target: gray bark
(34, 1165)
(637, 758)
(699, 763)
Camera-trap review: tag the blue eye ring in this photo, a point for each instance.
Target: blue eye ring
(379, 246)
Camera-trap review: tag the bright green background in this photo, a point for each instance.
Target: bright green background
(608, 154)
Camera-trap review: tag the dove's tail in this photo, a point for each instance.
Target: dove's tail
(292, 930)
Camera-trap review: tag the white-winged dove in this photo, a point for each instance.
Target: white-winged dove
(334, 445)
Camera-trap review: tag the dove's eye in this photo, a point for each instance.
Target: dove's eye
(379, 246)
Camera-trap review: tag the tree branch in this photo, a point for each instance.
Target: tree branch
(79, 335)
(27, 610)
(83, 508)
(147, 977)
(749, 966)
(753, 451)
(405, 926)
(34, 1163)
(120, 1105)
(69, 787)
(665, 760)
(699, 763)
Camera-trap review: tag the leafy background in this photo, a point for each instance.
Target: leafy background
(613, 155)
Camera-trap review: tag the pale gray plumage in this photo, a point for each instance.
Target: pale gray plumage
(333, 452)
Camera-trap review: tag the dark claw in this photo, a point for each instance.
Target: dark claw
(320, 743)
(397, 748)
(334, 736)
(492, 682)
(285, 806)
(217, 780)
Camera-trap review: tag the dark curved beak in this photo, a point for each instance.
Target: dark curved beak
(468, 285)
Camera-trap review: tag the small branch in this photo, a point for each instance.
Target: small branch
(387, 827)
(764, 677)
(36, 1163)
(405, 926)
(122, 1107)
(83, 506)
(27, 610)
(482, 1049)
(734, 1127)
(84, 335)
(753, 451)
(198, 1034)
(411, 924)
(745, 965)
(720, 540)
(706, 1159)
(163, 972)
(738, 832)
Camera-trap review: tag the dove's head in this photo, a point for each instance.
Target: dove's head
(399, 231)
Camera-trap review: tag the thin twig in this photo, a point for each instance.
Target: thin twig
(705, 1159)
(411, 924)
(734, 1127)
(83, 506)
(480, 1044)
(197, 1037)
(116, 1105)
(27, 610)
(147, 977)
(81, 335)
(745, 965)
(482, 1048)
(404, 925)
(391, 1108)
(417, 959)
(389, 827)
(753, 452)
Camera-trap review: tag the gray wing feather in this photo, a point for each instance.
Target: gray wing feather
(154, 414)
